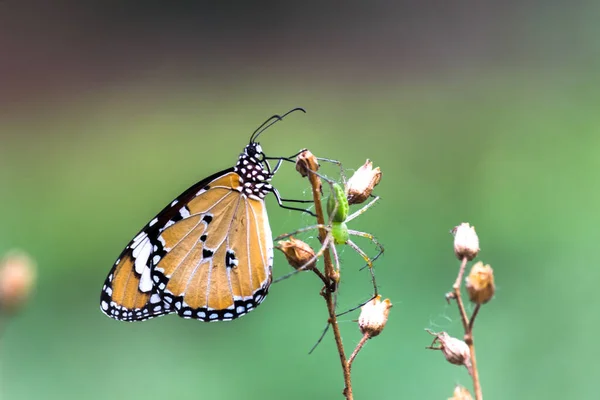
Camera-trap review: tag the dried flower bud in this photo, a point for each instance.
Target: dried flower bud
(360, 186)
(17, 277)
(455, 350)
(461, 393)
(480, 283)
(306, 161)
(374, 316)
(298, 253)
(466, 242)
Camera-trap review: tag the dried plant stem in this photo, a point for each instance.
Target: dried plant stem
(456, 287)
(330, 283)
(472, 320)
(468, 327)
(359, 346)
(475, 373)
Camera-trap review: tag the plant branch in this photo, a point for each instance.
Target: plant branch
(475, 373)
(468, 328)
(472, 320)
(330, 287)
(459, 302)
(359, 346)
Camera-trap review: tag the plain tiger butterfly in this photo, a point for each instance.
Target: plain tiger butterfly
(208, 254)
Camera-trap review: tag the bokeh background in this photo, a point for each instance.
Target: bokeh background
(485, 112)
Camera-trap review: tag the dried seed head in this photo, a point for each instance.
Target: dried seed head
(374, 316)
(480, 283)
(455, 350)
(306, 161)
(17, 278)
(361, 184)
(466, 242)
(461, 393)
(298, 253)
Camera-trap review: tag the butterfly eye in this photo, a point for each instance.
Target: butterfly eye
(255, 151)
(251, 150)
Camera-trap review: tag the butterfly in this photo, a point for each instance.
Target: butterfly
(207, 255)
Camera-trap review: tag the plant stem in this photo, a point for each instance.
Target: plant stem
(456, 287)
(359, 346)
(472, 320)
(315, 182)
(468, 328)
(475, 374)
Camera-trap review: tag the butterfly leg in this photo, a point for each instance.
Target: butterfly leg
(280, 202)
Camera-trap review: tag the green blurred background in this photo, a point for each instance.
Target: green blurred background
(479, 113)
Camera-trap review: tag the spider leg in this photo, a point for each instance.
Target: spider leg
(368, 260)
(362, 210)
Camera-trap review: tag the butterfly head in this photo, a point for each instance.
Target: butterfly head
(252, 166)
(254, 152)
(254, 171)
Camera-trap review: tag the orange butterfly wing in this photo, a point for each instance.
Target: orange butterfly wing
(207, 256)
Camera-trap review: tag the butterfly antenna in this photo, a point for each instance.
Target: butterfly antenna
(270, 121)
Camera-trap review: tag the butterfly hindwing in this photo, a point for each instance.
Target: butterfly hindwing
(129, 293)
(207, 255)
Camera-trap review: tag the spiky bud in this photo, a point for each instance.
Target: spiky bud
(466, 242)
(17, 278)
(374, 316)
(454, 350)
(306, 161)
(480, 283)
(298, 254)
(361, 184)
(461, 393)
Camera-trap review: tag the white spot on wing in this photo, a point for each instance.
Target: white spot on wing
(155, 298)
(168, 224)
(138, 239)
(141, 254)
(155, 220)
(104, 305)
(184, 212)
(145, 281)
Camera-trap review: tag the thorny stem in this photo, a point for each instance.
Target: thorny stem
(468, 327)
(359, 346)
(315, 182)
